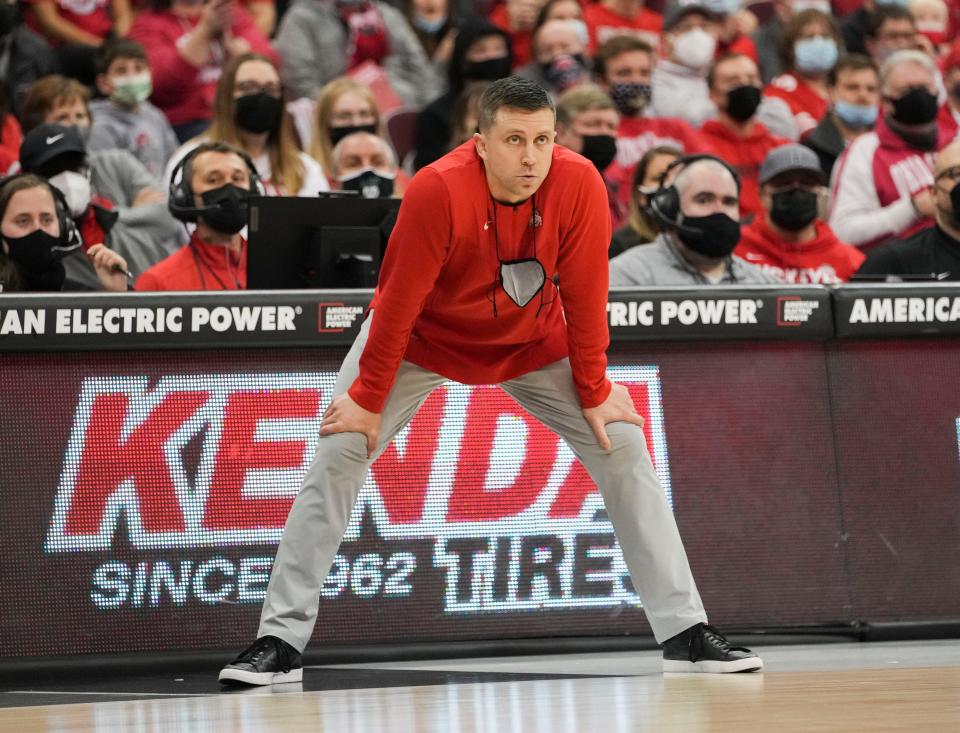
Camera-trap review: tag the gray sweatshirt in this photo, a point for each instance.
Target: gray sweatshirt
(312, 42)
(146, 133)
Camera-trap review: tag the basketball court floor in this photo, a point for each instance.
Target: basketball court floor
(888, 686)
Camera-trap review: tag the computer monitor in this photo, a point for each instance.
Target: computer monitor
(332, 241)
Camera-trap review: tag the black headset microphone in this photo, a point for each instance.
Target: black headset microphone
(180, 200)
(664, 203)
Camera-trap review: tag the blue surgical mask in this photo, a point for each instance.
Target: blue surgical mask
(815, 55)
(856, 116)
(901, 3)
(429, 26)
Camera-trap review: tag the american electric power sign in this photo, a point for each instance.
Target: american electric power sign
(196, 464)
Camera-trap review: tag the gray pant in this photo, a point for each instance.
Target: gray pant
(635, 502)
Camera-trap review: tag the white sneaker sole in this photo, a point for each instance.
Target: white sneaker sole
(260, 678)
(751, 664)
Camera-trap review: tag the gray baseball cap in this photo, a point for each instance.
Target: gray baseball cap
(788, 158)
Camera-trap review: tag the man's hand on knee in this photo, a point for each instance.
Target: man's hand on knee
(618, 407)
(346, 416)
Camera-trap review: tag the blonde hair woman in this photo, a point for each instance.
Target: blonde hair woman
(344, 106)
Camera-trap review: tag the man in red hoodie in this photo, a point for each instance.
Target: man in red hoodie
(467, 292)
(210, 187)
(789, 240)
(735, 135)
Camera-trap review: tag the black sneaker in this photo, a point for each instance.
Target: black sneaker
(702, 648)
(268, 661)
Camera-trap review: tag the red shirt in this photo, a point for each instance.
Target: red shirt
(947, 121)
(805, 102)
(741, 44)
(521, 42)
(822, 261)
(433, 306)
(743, 153)
(10, 138)
(92, 16)
(603, 24)
(198, 265)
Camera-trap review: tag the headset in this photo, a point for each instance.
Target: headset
(664, 203)
(181, 201)
(70, 237)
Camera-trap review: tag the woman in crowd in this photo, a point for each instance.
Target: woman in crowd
(641, 227)
(344, 106)
(811, 46)
(435, 26)
(249, 113)
(38, 252)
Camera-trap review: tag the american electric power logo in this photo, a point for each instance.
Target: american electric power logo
(215, 461)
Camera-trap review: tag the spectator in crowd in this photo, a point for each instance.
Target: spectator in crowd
(344, 106)
(517, 19)
(810, 50)
(264, 15)
(736, 135)
(608, 18)
(948, 118)
(564, 10)
(124, 119)
(249, 114)
(932, 19)
(466, 113)
(481, 52)
(320, 40)
(789, 241)
(700, 216)
(559, 61)
(768, 38)
(434, 23)
(55, 99)
(882, 183)
(853, 86)
(11, 136)
(28, 57)
(890, 29)
(734, 26)
(641, 228)
(39, 248)
(587, 124)
(76, 29)
(853, 29)
(210, 188)
(934, 251)
(188, 43)
(365, 163)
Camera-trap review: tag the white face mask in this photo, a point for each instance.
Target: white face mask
(694, 48)
(798, 6)
(75, 188)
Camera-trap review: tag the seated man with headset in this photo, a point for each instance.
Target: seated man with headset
(210, 187)
(698, 206)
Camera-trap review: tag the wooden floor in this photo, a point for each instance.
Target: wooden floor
(830, 687)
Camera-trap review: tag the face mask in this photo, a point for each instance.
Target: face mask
(428, 26)
(815, 55)
(794, 209)
(599, 150)
(888, 3)
(742, 102)
(75, 188)
(38, 255)
(798, 6)
(855, 116)
(630, 98)
(258, 112)
(225, 208)
(338, 133)
(694, 48)
(134, 89)
(722, 7)
(712, 236)
(916, 107)
(522, 280)
(488, 69)
(564, 71)
(370, 183)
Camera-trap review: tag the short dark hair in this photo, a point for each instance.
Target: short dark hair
(882, 14)
(851, 62)
(615, 46)
(712, 73)
(514, 92)
(211, 146)
(114, 48)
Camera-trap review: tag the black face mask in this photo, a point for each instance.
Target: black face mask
(258, 112)
(599, 150)
(564, 71)
(226, 208)
(916, 107)
(338, 133)
(742, 102)
(794, 209)
(488, 69)
(38, 256)
(369, 183)
(711, 236)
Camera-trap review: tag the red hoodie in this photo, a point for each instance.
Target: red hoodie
(434, 305)
(743, 153)
(198, 265)
(822, 261)
(183, 91)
